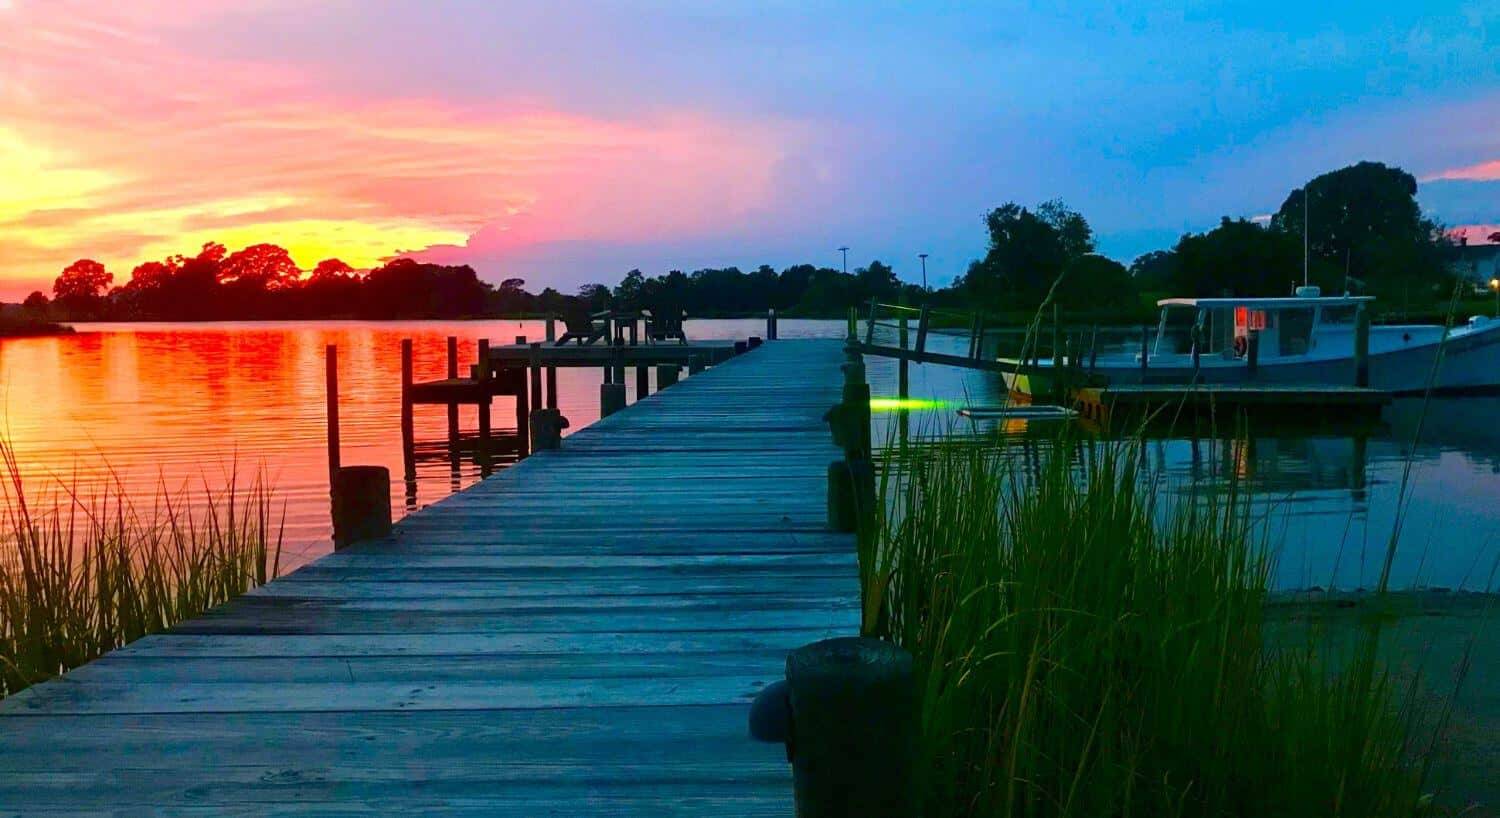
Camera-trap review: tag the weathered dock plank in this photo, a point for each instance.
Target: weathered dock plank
(579, 635)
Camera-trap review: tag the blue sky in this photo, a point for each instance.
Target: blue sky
(681, 135)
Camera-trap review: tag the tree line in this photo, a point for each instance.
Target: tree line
(1358, 228)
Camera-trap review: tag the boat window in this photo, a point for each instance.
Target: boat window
(1339, 315)
(1294, 329)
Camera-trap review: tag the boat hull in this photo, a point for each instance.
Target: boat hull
(1470, 364)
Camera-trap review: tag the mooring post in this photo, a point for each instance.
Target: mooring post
(851, 481)
(408, 429)
(331, 381)
(1361, 346)
(741, 347)
(771, 324)
(847, 713)
(1252, 354)
(452, 405)
(535, 376)
(1145, 351)
(695, 364)
(903, 366)
(482, 375)
(666, 375)
(551, 370)
(853, 328)
(612, 392)
(643, 381)
(361, 504)
(546, 429)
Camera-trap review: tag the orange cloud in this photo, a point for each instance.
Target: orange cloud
(1482, 172)
(116, 145)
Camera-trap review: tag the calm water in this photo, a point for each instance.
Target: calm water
(168, 403)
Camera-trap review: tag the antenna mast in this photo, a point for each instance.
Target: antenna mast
(1306, 206)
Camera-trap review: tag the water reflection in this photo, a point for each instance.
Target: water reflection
(179, 402)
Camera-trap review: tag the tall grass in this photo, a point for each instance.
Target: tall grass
(1086, 648)
(83, 574)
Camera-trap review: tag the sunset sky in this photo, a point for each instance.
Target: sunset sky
(566, 142)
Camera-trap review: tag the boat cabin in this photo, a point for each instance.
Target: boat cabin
(1307, 324)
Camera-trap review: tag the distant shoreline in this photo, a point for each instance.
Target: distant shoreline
(33, 329)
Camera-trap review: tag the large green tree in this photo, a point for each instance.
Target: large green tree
(1364, 220)
(1238, 258)
(1028, 252)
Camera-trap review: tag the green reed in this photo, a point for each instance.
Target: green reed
(1086, 647)
(84, 573)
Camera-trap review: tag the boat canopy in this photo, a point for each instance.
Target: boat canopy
(1286, 303)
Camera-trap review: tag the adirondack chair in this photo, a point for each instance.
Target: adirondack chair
(662, 325)
(581, 327)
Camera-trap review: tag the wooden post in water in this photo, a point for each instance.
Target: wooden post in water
(361, 504)
(853, 329)
(1361, 346)
(771, 324)
(695, 364)
(534, 375)
(551, 370)
(546, 429)
(870, 327)
(741, 347)
(331, 376)
(452, 406)
(903, 366)
(612, 392)
(643, 381)
(923, 319)
(666, 375)
(482, 375)
(408, 429)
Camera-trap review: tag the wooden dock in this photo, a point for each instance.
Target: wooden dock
(579, 635)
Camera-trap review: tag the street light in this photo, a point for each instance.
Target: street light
(845, 251)
(1495, 285)
(923, 257)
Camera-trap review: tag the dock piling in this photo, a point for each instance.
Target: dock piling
(361, 504)
(331, 375)
(546, 429)
(482, 375)
(408, 429)
(695, 364)
(666, 375)
(452, 407)
(1252, 354)
(771, 324)
(851, 730)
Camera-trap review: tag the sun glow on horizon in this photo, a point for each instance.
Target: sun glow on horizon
(125, 148)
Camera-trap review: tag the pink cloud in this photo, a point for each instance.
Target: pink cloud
(1482, 172)
(132, 148)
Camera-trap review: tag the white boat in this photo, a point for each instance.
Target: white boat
(1303, 339)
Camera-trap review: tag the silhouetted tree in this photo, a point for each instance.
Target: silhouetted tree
(259, 267)
(1365, 219)
(1093, 282)
(80, 286)
(36, 303)
(1155, 271)
(1236, 258)
(1495, 237)
(331, 268)
(1026, 255)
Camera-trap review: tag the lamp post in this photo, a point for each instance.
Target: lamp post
(1495, 285)
(923, 257)
(845, 251)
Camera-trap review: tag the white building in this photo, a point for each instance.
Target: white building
(1480, 263)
